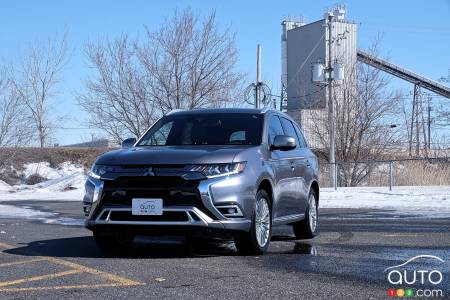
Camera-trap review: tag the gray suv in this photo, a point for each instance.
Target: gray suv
(224, 173)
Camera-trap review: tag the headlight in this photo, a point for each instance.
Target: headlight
(98, 170)
(217, 170)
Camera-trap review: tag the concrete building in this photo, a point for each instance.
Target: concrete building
(302, 45)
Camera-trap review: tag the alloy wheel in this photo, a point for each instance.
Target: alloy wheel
(262, 222)
(312, 213)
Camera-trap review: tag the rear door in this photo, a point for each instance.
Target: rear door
(308, 163)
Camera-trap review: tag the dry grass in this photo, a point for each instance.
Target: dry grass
(405, 173)
(421, 173)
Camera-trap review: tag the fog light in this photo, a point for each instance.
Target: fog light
(86, 210)
(232, 210)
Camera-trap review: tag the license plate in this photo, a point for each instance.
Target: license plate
(147, 206)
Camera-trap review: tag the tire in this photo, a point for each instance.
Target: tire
(257, 240)
(307, 228)
(113, 242)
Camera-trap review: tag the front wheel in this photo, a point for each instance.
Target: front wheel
(307, 228)
(257, 240)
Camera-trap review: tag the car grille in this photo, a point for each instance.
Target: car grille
(175, 191)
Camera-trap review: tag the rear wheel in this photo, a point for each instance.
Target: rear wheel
(257, 240)
(307, 228)
(113, 242)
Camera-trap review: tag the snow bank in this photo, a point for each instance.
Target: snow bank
(4, 186)
(414, 200)
(65, 183)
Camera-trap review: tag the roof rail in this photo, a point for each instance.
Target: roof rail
(175, 110)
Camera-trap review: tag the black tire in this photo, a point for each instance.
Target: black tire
(248, 243)
(113, 242)
(303, 229)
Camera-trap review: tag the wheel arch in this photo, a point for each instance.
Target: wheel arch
(315, 188)
(266, 185)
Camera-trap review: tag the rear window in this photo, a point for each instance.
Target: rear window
(205, 129)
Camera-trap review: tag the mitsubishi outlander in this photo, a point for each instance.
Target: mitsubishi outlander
(223, 173)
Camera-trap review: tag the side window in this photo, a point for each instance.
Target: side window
(300, 137)
(275, 128)
(290, 130)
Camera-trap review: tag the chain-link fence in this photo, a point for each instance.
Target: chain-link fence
(389, 173)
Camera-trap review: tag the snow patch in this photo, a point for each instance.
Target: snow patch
(4, 186)
(24, 212)
(64, 183)
(431, 201)
(11, 211)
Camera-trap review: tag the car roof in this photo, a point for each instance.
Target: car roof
(221, 111)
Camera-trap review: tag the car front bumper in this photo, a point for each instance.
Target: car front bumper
(224, 205)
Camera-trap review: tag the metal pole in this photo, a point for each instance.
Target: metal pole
(330, 104)
(391, 179)
(335, 175)
(417, 95)
(258, 75)
(429, 123)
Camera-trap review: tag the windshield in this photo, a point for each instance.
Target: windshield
(205, 129)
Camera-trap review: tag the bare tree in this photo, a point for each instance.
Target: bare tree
(364, 109)
(190, 64)
(186, 63)
(36, 80)
(14, 128)
(117, 99)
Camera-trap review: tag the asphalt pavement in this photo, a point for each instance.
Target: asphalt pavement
(347, 260)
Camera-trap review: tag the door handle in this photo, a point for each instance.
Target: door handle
(308, 164)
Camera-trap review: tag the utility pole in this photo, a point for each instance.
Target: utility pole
(417, 99)
(429, 122)
(258, 76)
(332, 157)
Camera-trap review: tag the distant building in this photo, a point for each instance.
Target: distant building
(302, 45)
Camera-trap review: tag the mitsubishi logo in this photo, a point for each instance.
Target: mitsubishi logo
(149, 172)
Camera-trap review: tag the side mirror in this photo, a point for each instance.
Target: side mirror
(128, 143)
(283, 143)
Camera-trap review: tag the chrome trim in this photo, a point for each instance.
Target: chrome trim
(287, 219)
(98, 190)
(204, 188)
(204, 219)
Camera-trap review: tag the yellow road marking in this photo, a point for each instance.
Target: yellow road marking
(74, 269)
(36, 278)
(60, 287)
(22, 262)
(109, 276)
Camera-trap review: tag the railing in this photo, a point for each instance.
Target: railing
(389, 173)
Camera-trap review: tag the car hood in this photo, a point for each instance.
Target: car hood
(162, 155)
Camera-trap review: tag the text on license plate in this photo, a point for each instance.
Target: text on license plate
(147, 206)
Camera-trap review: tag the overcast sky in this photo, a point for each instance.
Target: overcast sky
(416, 34)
